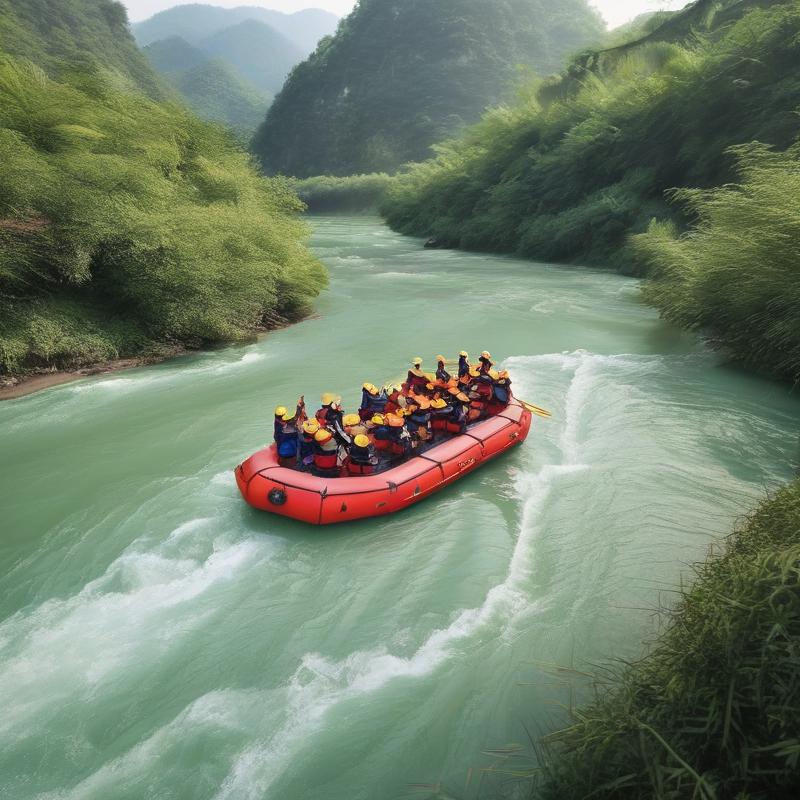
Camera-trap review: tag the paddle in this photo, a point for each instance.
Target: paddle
(540, 412)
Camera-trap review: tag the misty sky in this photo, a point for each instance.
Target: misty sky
(615, 11)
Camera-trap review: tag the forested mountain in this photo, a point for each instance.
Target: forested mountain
(210, 86)
(587, 160)
(229, 63)
(399, 77)
(61, 35)
(127, 225)
(256, 51)
(196, 22)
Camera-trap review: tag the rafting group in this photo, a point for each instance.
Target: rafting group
(394, 423)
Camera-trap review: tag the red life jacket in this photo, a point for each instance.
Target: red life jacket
(417, 381)
(360, 469)
(326, 460)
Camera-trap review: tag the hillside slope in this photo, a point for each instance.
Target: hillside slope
(256, 51)
(397, 78)
(569, 174)
(60, 35)
(211, 87)
(195, 22)
(588, 161)
(127, 225)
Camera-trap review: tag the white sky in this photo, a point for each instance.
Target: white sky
(615, 11)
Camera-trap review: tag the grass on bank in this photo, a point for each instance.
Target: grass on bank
(713, 713)
(734, 273)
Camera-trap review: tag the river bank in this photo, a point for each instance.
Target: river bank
(710, 712)
(12, 388)
(16, 386)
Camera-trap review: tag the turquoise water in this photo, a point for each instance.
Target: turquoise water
(159, 639)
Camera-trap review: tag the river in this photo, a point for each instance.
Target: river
(159, 639)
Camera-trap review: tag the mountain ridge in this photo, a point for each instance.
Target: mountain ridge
(396, 79)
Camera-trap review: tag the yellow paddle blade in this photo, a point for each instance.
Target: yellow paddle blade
(540, 412)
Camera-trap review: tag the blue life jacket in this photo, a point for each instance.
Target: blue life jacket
(382, 433)
(463, 367)
(287, 442)
(306, 447)
(501, 394)
(377, 404)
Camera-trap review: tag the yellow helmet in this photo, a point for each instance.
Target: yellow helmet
(329, 398)
(280, 411)
(417, 362)
(378, 419)
(367, 386)
(464, 354)
(311, 426)
(289, 416)
(487, 355)
(361, 441)
(323, 436)
(441, 358)
(351, 419)
(503, 374)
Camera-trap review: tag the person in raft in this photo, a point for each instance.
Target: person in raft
(392, 423)
(417, 380)
(362, 459)
(287, 438)
(442, 375)
(463, 368)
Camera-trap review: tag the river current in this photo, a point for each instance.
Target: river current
(159, 639)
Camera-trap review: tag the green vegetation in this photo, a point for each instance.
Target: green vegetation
(213, 90)
(735, 274)
(712, 712)
(399, 77)
(63, 36)
(583, 161)
(358, 193)
(128, 225)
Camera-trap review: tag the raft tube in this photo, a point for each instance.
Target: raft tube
(267, 486)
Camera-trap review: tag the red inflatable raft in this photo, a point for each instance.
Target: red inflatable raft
(267, 486)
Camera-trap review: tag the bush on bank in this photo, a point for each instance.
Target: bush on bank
(126, 223)
(713, 712)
